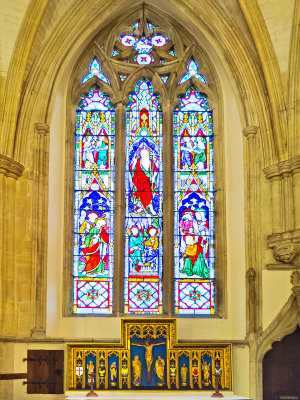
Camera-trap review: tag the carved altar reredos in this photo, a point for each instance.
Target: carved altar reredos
(149, 357)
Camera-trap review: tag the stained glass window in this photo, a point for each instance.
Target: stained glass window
(94, 204)
(143, 215)
(95, 70)
(194, 205)
(192, 71)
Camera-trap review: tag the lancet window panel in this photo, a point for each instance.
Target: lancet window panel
(94, 205)
(144, 191)
(194, 256)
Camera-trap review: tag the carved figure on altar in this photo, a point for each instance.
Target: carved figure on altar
(173, 371)
(102, 371)
(183, 373)
(206, 374)
(137, 371)
(124, 369)
(91, 372)
(148, 354)
(159, 369)
(113, 374)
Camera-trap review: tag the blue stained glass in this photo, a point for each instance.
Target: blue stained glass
(164, 78)
(143, 215)
(93, 204)
(136, 25)
(192, 71)
(128, 40)
(143, 45)
(150, 26)
(159, 40)
(115, 52)
(143, 59)
(193, 205)
(95, 70)
(123, 77)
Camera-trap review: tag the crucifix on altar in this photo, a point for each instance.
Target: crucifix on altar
(148, 345)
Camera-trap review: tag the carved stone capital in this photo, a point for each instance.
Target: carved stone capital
(291, 166)
(250, 131)
(42, 128)
(10, 167)
(285, 253)
(286, 249)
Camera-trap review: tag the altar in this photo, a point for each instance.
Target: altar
(156, 395)
(149, 363)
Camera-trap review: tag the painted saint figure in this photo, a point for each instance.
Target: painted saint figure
(151, 246)
(137, 370)
(136, 247)
(96, 247)
(144, 174)
(193, 261)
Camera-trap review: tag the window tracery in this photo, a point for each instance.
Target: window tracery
(178, 73)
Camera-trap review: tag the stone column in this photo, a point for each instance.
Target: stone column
(168, 210)
(41, 166)
(119, 230)
(276, 198)
(296, 192)
(251, 211)
(10, 171)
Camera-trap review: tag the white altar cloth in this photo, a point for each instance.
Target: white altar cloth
(155, 395)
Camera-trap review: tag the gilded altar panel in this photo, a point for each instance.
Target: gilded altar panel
(148, 357)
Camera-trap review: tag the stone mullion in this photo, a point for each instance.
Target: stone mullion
(296, 197)
(276, 200)
(41, 165)
(289, 216)
(119, 212)
(168, 210)
(2, 247)
(253, 317)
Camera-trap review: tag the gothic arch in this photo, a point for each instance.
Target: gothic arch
(77, 26)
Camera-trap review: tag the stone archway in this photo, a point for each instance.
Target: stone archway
(281, 369)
